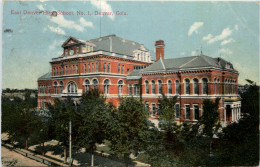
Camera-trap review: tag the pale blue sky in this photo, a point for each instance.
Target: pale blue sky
(226, 29)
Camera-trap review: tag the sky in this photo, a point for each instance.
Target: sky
(219, 29)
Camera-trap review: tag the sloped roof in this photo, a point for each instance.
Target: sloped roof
(112, 43)
(187, 63)
(46, 76)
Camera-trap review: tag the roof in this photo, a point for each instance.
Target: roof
(46, 76)
(188, 63)
(112, 43)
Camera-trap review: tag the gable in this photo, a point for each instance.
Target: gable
(71, 41)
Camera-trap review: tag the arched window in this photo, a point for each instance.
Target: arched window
(58, 70)
(146, 87)
(87, 83)
(187, 86)
(69, 70)
(74, 70)
(120, 87)
(118, 69)
(159, 86)
(96, 67)
(123, 68)
(55, 87)
(66, 70)
(72, 87)
(106, 87)
(177, 87)
(108, 67)
(61, 86)
(95, 83)
(153, 87)
(195, 86)
(169, 84)
(61, 70)
(204, 86)
(104, 67)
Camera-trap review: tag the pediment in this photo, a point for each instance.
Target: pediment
(71, 41)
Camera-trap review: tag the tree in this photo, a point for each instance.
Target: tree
(238, 145)
(62, 112)
(130, 128)
(95, 121)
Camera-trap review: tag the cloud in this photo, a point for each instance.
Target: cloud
(57, 30)
(225, 51)
(195, 27)
(62, 22)
(104, 6)
(40, 7)
(236, 27)
(227, 41)
(224, 34)
(193, 53)
(85, 23)
(55, 44)
(208, 37)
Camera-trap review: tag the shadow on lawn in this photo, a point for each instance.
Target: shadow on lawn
(84, 158)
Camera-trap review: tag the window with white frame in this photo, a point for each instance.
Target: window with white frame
(118, 69)
(187, 111)
(120, 87)
(146, 87)
(136, 89)
(87, 86)
(204, 86)
(61, 86)
(108, 67)
(106, 86)
(130, 89)
(55, 87)
(96, 67)
(104, 67)
(177, 111)
(177, 87)
(72, 87)
(123, 69)
(195, 86)
(169, 84)
(159, 86)
(196, 112)
(153, 87)
(187, 86)
(95, 83)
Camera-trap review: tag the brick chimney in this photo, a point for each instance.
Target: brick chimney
(159, 50)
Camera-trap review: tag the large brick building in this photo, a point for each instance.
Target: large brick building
(122, 68)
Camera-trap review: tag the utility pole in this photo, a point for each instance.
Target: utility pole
(70, 159)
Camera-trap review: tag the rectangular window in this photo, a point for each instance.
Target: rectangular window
(153, 109)
(85, 68)
(122, 71)
(93, 67)
(73, 70)
(147, 106)
(77, 69)
(136, 89)
(118, 69)
(196, 111)
(177, 111)
(88, 67)
(130, 89)
(108, 67)
(187, 111)
(96, 67)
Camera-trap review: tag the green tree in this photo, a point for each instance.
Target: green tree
(95, 121)
(238, 145)
(129, 129)
(62, 112)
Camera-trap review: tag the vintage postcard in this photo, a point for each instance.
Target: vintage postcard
(130, 83)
